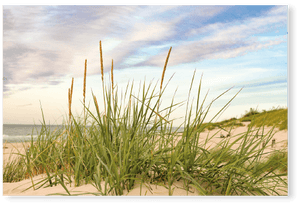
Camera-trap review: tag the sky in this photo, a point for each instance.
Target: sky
(231, 46)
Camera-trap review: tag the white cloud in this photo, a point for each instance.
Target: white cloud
(154, 31)
(208, 11)
(153, 10)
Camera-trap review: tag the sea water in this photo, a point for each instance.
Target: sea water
(22, 133)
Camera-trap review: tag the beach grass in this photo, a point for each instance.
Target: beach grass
(134, 142)
(274, 117)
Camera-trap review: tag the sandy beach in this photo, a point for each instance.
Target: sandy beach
(16, 188)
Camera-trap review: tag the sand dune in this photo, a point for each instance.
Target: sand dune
(17, 188)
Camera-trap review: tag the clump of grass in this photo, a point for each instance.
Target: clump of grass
(275, 116)
(277, 160)
(251, 112)
(246, 119)
(14, 170)
(135, 142)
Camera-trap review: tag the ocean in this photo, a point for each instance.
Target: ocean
(21, 132)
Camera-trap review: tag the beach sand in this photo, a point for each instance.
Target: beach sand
(16, 188)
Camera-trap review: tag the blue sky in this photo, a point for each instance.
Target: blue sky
(45, 46)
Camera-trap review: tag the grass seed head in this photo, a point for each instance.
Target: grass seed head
(96, 102)
(84, 80)
(112, 74)
(69, 97)
(165, 67)
(101, 61)
(72, 88)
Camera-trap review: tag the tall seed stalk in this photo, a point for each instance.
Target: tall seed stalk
(84, 89)
(102, 76)
(162, 80)
(112, 83)
(70, 121)
(70, 100)
(112, 77)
